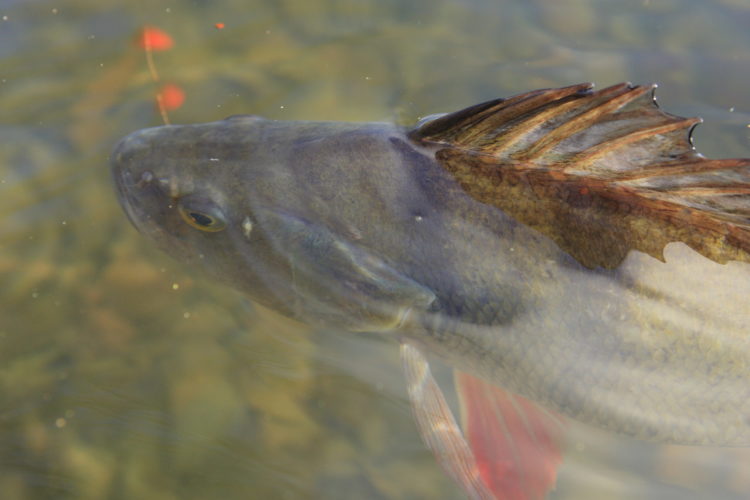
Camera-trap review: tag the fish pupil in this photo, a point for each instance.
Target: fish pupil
(201, 219)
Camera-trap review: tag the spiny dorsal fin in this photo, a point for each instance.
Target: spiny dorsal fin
(599, 172)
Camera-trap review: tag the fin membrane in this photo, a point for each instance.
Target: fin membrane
(516, 443)
(438, 428)
(599, 172)
(513, 447)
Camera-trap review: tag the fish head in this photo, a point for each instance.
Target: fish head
(194, 191)
(238, 200)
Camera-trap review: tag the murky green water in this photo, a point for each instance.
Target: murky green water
(126, 375)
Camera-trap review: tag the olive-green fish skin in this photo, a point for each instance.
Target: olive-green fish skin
(360, 226)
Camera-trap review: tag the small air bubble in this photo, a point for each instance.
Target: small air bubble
(186, 315)
(5, 18)
(60, 423)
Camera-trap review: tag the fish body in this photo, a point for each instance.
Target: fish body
(566, 245)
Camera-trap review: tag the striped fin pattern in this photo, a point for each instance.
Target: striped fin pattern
(610, 165)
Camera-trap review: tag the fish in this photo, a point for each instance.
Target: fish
(565, 250)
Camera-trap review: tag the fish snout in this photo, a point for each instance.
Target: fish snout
(133, 153)
(139, 191)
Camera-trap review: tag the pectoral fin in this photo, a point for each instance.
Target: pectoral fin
(513, 447)
(516, 444)
(438, 427)
(340, 282)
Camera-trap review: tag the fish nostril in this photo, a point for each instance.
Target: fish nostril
(146, 178)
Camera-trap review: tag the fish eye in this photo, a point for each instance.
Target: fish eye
(203, 215)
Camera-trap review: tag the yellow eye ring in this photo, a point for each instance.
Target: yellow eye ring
(201, 220)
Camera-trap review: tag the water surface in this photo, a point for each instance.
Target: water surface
(126, 375)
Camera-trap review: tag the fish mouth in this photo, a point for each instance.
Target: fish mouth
(137, 190)
(126, 186)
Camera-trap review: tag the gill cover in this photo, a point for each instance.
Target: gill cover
(337, 282)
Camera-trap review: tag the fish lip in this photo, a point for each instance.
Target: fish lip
(130, 192)
(128, 200)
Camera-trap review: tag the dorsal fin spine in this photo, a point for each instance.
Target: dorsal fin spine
(591, 154)
(627, 94)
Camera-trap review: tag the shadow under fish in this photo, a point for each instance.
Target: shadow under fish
(565, 250)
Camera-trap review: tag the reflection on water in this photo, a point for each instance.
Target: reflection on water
(127, 375)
